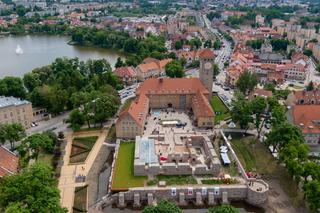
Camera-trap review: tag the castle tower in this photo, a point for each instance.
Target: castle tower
(206, 69)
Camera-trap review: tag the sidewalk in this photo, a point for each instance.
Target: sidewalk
(67, 183)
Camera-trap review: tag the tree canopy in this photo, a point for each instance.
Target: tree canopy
(33, 190)
(247, 82)
(223, 209)
(174, 69)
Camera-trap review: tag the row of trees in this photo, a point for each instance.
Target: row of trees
(293, 152)
(137, 49)
(65, 84)
(194, 43)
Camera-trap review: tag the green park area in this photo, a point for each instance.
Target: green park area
(81, 147)
(123, 177)
(255, 157)
(222, 112)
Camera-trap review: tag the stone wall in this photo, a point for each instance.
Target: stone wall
(199, 195)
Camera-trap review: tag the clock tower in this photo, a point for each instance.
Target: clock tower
(206, 69)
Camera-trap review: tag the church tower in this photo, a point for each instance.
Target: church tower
(206, 69)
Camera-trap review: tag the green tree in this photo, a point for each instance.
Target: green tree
(283, 134)
(217, 44)
(76, 119)
(255, 44)
(279, 44)
(207, 44)
(247, 82)
(31, 81)
(311, 169)
(308, 52)
(216, 70)
(258, 106)
(241, 111)
(195, 42)
(174, 69)
(13, 132)
(104, 108)
(213, 15)
(12, 86)
(178, 45)
(163, 206)
(278, 115)
(223, 209)
(21, 10)
(312, 194)
(32, 145)
(310, 86)
(119, 63)
(34, 189)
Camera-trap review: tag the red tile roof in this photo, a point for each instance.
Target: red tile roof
(9, 162)
(307, 117)
(125, 71)
(206, 53)
(139, 108)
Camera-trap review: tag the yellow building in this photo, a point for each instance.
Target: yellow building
(14, 110)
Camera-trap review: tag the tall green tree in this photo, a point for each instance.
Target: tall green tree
(241, 111)
(217, 44)
(258, 107)
(13, 132)
(119, 63)
(281, 135)
(76, 119)
(12, 86)
(174, 69)
(312, 194)
(32, 145)
(247, 82)
(34, 189)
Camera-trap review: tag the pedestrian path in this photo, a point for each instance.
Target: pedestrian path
(69, 172)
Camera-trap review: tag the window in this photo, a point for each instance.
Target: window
(11, 114)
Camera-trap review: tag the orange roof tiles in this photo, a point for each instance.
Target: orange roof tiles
(171, 85)
(139, 108)
(9, 162)
(125, 71)
(206, 53)
(307, 117)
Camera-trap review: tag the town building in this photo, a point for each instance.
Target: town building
(127, 75)
(14, 110)
(303, 98)
(307, 118)
(151, 67)
(9, 162)
(188, 94)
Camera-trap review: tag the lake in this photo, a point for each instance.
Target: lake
(21, 54)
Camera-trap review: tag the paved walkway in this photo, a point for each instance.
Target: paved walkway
(67, 182)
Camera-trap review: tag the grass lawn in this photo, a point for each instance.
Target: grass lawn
(173, 180)
(80, 199)
(254, 156)
(81, 147)
(45, 158)
(123, 177)
(222, 112)
(88, 129)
